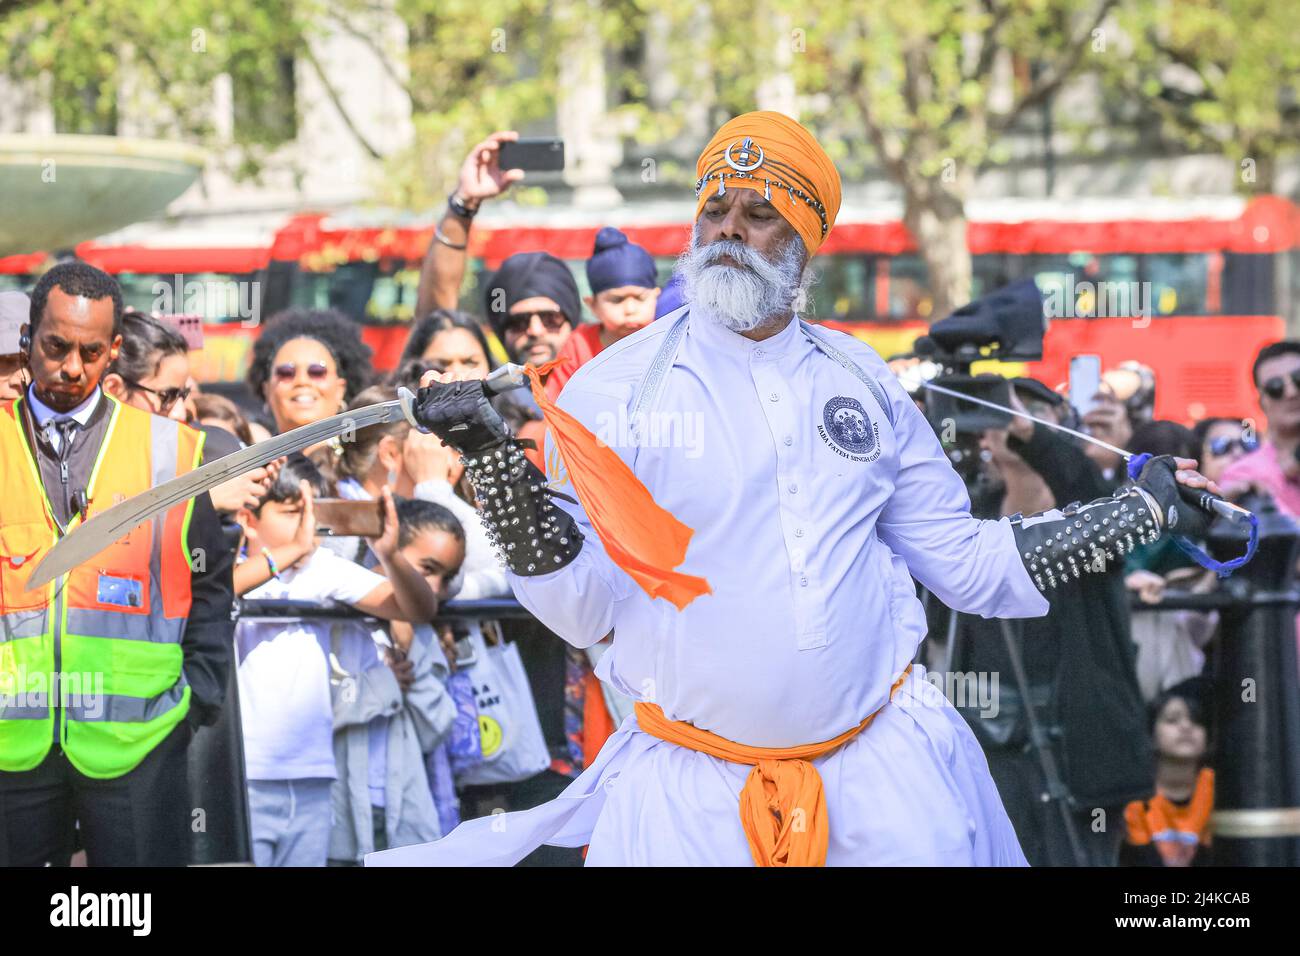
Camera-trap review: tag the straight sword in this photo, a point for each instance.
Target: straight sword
(1211, 502)
(91, 537)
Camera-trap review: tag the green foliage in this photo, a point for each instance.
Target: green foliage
(910, 84)
(1219, 75)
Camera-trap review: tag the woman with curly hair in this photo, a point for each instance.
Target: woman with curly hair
(307, 365)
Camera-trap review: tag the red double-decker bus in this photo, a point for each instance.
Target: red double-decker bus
(1191, 288)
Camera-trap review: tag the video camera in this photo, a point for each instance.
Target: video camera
(1006, 325)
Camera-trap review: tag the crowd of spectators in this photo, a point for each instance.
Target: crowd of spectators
(363, 733)
(1121, 690)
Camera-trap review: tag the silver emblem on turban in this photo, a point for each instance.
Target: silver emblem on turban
(747, 148)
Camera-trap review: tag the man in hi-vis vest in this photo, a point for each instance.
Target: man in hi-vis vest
(105, 672)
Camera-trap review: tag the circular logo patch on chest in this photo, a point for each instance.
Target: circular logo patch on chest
(846, 425)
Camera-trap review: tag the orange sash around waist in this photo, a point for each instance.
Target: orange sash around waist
(782, 805)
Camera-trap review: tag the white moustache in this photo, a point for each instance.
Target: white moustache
(742, 296)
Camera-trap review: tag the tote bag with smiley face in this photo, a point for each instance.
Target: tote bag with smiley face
(511, 733)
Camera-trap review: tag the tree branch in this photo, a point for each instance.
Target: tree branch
(380, 55)
(989, 41)
(890, 158)
(338, 103)
(1052, 80)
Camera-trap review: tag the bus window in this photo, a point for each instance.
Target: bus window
(1178, 282)
(906, 287)
(841, 289)
(1083, 285)
(393, 296)
(1248, 284)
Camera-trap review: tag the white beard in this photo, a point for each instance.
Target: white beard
(742, 298)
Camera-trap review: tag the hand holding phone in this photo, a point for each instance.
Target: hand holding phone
(482, 175)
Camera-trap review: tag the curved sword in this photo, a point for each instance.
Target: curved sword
(91, 537)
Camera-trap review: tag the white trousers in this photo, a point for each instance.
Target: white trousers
(913, 789)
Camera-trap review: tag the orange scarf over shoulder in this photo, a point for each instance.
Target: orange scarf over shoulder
(782, 805)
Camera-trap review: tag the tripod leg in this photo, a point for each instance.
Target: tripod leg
(1042, 747)
(950, 649)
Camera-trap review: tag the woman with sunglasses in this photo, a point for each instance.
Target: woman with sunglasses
(152, 369)
(307, 366)
(1222, 441)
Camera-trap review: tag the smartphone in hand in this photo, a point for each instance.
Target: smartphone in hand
(343, 518)
(541, 154)
(1085, 382)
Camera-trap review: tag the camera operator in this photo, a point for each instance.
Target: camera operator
(1079, 662)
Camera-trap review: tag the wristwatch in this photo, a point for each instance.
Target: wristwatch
(458, 207)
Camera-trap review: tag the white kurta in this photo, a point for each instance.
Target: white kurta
(812, 514)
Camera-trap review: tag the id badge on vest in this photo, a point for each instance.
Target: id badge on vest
(119, 591)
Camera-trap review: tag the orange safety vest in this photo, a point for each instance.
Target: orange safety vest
(93, 661)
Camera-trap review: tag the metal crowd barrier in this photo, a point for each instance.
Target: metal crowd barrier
(490, 609)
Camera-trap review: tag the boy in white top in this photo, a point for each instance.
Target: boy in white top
(284, 664)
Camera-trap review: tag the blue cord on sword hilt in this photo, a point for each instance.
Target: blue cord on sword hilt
(1211, 504)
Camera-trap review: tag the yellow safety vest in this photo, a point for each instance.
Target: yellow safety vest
(93, 660)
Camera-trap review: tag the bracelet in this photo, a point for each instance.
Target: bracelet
(437, 234)
(270, 563)
(458, 207)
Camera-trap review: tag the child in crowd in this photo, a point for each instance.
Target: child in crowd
(389, 719)
(221, 412)
(1172, 828)
(283, 671)
(413, 465)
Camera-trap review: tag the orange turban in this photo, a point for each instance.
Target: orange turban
(771, 152)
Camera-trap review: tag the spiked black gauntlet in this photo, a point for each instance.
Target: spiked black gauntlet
(1085, 538)
(532, 536)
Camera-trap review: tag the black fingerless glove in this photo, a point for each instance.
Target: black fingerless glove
(1179, 512)
(461, 414)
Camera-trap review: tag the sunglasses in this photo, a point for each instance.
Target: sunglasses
(518, 322)
(1223, 444)
(1275, 387)
(167, 397)
(316, 371)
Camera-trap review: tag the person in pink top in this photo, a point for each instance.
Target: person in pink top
(1274, 467)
